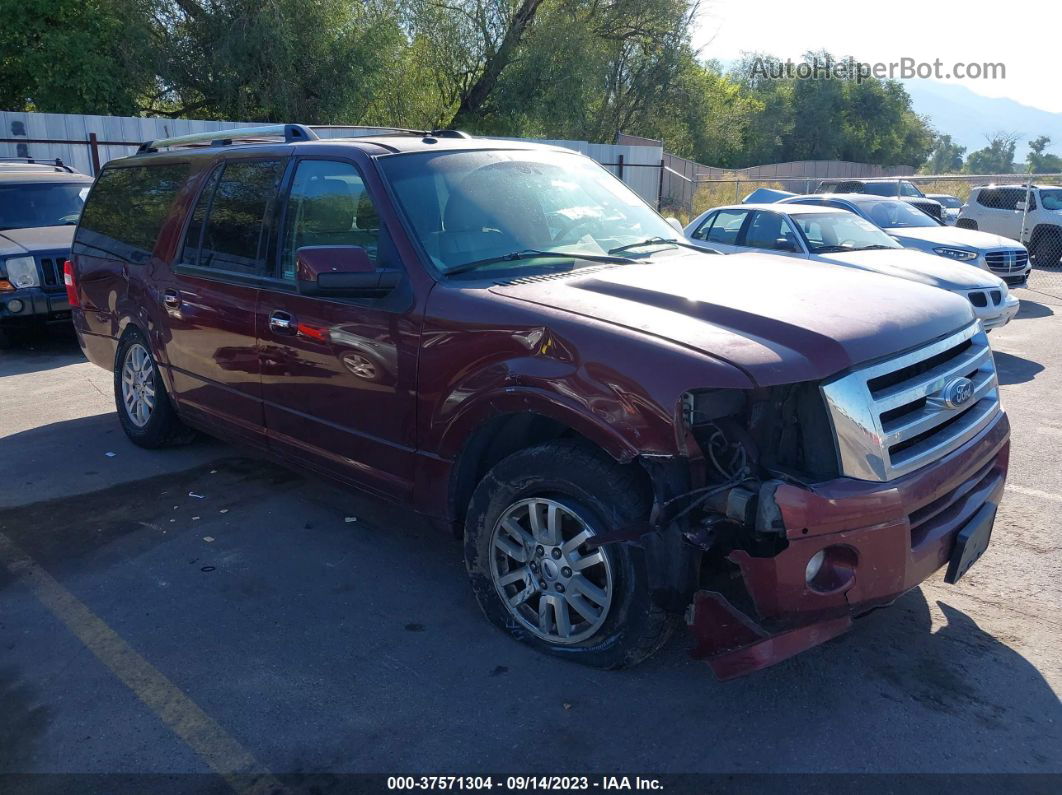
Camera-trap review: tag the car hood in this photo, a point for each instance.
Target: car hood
(40, 238)
(953, 236)
(780, 320)
(916, 266)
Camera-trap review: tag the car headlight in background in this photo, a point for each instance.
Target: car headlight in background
(22, 272)
(961, 254)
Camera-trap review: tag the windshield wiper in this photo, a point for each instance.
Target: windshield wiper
(533, 253)
(830, 249)
(873, 247)
(659, 241)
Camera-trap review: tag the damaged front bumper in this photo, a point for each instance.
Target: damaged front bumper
(852, 546)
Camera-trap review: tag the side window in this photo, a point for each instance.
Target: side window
(909, 189)
(726, 226)
(329, 206)
(770, 231)
(989, 198)
(127, 207)
(228, 230)
(702, 230)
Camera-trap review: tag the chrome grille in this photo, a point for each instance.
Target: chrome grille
(893, 417)
(1007, 261)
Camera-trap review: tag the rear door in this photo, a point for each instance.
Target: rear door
(211, 295)
(338, 375)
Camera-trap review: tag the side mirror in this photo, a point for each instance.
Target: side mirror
(1020, 206)
(785, 244)
(341, 271)
(677, 224)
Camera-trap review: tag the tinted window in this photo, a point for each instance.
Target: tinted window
(127, 207)
(235, 207)
(908, 189)
(770, 231)
(879, 189)
(1051, 199)
(726, 225)
(41, 204)
(329, 206)
(1001, 198)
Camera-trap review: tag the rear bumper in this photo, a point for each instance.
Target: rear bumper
(33, 303)
(885, 538)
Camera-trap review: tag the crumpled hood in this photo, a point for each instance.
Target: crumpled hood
(917, 266)
(954, 236)
(14, 242)
(781, 320)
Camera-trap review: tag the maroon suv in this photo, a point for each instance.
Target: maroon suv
(504, 336)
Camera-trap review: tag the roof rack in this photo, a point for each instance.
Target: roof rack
(56, 164)
(289, 132)
(403, 130)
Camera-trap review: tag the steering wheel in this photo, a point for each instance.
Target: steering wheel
(571, 224)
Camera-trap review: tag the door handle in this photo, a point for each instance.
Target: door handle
(282, 323)
(171, 299)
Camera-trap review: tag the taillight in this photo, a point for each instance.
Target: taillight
(71, 284)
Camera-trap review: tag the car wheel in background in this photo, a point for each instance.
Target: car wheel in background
(533, 571)
(144, 407)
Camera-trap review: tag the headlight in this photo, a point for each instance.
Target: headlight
(22, 272)
(960, 254)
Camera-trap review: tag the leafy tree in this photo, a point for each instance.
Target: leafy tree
(946, 157)
(1041, 162)
(73, 56)
(996, 158)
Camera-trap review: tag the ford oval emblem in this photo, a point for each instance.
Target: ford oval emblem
(958, 392)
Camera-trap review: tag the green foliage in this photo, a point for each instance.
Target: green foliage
(946, 157)
(996, 158)
(74, 56)
(1041, 162)
(583, 69)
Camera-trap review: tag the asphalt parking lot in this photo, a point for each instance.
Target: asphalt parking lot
(199, 610)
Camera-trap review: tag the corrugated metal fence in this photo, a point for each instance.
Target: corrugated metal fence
(87, 142)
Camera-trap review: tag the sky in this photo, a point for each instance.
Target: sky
(1021, 35)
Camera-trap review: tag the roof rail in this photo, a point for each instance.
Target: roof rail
(56, 164)
(289, 132)
(386, 128)
(449, 134)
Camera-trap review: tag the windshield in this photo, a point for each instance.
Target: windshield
(1051, 199)
(832, 232)
(41, 204)
(476, 207)
(892, 214)
(881, 188)
(950, 202)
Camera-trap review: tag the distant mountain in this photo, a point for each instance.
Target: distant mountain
(968, 117)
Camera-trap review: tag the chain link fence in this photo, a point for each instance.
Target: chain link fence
(1018, 207)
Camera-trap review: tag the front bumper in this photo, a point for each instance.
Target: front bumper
(999, 316)
(33, 304)
(890, 536)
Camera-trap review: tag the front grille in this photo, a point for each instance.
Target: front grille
(51, 268)
(1007, 261)
(894, 417)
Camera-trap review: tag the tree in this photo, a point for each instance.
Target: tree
(996, 158)
(946, 157)
(1041, 162)
(74, 56)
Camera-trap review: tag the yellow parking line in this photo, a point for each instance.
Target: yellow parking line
(182, 715)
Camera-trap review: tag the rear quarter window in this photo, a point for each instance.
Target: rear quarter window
(126, 209)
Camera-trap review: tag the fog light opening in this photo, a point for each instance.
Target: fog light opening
(14, 306)
(831, 569)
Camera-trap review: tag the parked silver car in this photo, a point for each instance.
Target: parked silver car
(840, 237)
(1008, 259)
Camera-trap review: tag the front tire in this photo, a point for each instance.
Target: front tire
(144, 407)
(533, 572)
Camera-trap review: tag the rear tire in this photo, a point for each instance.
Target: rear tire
(587, 605)
(144, 408)
(1046, 250)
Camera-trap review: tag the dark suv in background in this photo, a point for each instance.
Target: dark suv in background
(902, 189)
(626, 430)
(39, 206)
